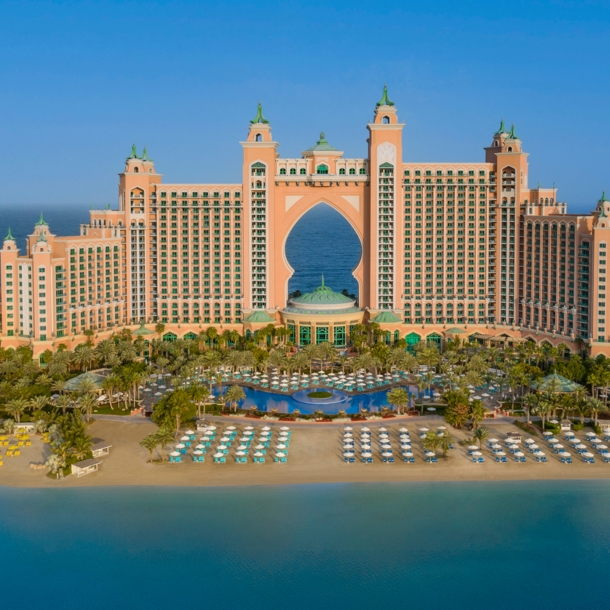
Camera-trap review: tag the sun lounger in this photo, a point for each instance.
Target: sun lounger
(481, 460)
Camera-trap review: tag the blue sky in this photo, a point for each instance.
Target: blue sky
(81, 81)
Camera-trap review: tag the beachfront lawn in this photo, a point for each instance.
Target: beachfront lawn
(109, 411)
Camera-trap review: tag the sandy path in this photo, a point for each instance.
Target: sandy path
(315, 457)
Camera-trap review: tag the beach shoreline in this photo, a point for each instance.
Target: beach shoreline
(315, 458)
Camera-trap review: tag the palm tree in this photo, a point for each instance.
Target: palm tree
(399, 397)
(164, 437)
(432, 441)
(38, 403)
(87, 402)
(543, 408)
(596, 407)
(477, 413)
(446, 442)
(233, 395)
(16, 407)
(481, 434)
(150, 442)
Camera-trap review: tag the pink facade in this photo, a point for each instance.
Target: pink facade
(444, 246)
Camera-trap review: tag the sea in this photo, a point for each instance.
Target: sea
(321, 243)
(501, 545)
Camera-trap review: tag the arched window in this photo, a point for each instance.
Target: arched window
(551, 200)
(259, 185)
(510, 149)
(258, 137)
(283, 171)
(495, 142)
(322, 169)
(385, 120)
(293, 171)
(352, 171)
(342, 171)
(136, 170)
(302, 172)
(362, 171)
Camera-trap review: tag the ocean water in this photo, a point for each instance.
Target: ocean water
(321, 242)
(500, 545)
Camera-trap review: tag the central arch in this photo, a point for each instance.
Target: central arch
(292, 203)
(318, 232)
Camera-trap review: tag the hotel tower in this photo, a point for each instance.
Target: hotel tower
(464, 249)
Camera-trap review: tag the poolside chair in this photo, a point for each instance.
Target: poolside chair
(178, 458)
(369, 460)
(474, 459)
(412, 460)
(591, 460)
(504, 459)
(352, 460)
(434, 460)
(481, 460)
(522, 459)
(607, 459)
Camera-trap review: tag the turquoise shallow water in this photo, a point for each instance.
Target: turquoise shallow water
(498, 545)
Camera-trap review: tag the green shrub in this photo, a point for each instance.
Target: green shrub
(576, 426)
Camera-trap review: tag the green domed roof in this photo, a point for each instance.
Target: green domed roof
(323, 295)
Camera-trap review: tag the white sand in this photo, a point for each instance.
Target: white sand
(315, 456)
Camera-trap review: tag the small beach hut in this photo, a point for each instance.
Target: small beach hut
(80, 469)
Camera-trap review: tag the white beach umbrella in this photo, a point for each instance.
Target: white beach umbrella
(281, 447)
(500, 453)
(174, 453)
(230, 427)
(518, 454)
(476, 453)
(430, 453)
(348, 435)
(240, 453)
(222, 446)
(424, 430)
(284, 428)
(248, 433)
(212, 428)
(248, 428)
(218, 455)
(279, 454)
(403, 430)
(258, 454)
(348, 453)
(225, 439)
(180, 446)
(496, 446)
(493, 440)
(534, 446)
(365, 429)
(387, 454)
(539, 453)
(367, 454)
(564, 454)
(242, 448)
(200, 446)
(473, 447)
(197, 452)
(407, 453)
(348, 428)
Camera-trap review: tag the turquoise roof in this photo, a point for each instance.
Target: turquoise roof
(322, 295)
(323, 145)
(555, 383)
(386, 317)
(259, 316)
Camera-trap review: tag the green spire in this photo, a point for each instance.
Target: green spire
(145, 155)
(385, 100)
(41, 222)
(134, 153)
(322, 279)
(603, 197)
(512, 135)
(42, 237)
(502, 129)
(259, 118)
(9, 235)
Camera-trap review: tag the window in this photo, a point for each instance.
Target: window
(322, 169)
(302, 171)
(283, 171)
(352, 171)
(362, 171)
(258, 137)
(293, 171)
(342, 171)
(386, 120)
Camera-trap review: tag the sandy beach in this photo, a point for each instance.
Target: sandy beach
(315, 457)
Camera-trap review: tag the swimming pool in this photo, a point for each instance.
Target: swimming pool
(264, 400)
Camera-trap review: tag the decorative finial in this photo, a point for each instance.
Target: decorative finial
(9, 235)
(259, 118)
(603, 198)
(322, 137)
(145, 155)
(107, 206)
(322, 279)
(512, 135)
(134, 153)
(385, 100)
(502, 129)
(41, 221)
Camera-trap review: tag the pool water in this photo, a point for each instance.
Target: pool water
(285, 403)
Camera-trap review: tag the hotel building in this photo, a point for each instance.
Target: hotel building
(448, 249)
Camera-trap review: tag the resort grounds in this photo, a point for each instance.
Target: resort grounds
(315, 456)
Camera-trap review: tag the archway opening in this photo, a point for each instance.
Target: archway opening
(323, 242)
